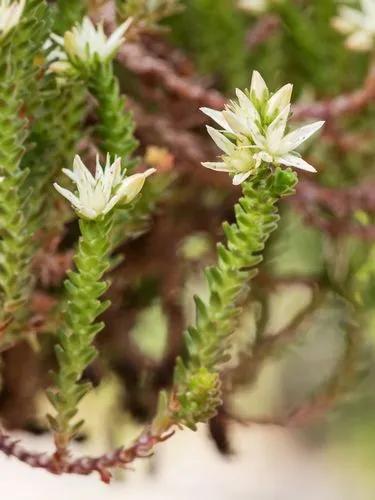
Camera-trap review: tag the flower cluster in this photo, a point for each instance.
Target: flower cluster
(359, 25)
(10, 15)
(85, 45)
(98, 194)
(254, 130)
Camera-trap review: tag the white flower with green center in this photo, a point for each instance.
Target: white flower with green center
(10, 15)
(253, 107)
(86, 43)
(254, 130)
(98, 194)
(358, 24)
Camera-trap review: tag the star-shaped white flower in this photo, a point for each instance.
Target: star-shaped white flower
(97, 195)
(359, 25)
(85, 44)
(252, 108)
(10, 15)
(253, 130)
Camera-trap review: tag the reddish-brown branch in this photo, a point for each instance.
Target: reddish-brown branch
(332, 209)
(352, 102)
(83, 466)
(138, 60)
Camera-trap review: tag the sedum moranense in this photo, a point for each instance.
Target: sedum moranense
(264, 182)
(87, 53)
(254, 131)
(358, 25)
(94, 201)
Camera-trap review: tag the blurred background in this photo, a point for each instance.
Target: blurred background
(297, 420)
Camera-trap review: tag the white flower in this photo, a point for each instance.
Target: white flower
(85, 44)
(10, 15)
(252, 108)
(359, 25)
(97, 195)
(254, 130)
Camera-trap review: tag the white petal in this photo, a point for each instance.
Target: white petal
(217, 116)
(112, 202)
(238, 178)
(247, 107)
(341, 25)
(68, 195)
(292, 140)
(361, 41)
(114, 172)
(70, 174)
(88, 213)
(262, 156)
(132, 185)
(279, 100)
(352, 16)
(291, 160)
(99, 172)
(221, 141)
(258, 88)
(82, 173)
(117, 37)
(58, 39)
(276, 129)
(368, 7)
(235, 123)
(216, 165)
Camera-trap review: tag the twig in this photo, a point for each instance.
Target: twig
(316, 202)
(83, 466)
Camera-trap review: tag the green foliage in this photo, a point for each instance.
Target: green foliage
(312, 51)
(215, 36)
(68, 12)
(75, 352)
(208, 341)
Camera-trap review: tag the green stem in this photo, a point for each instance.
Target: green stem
(207, 343)
(75, 351)
(116, 125)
